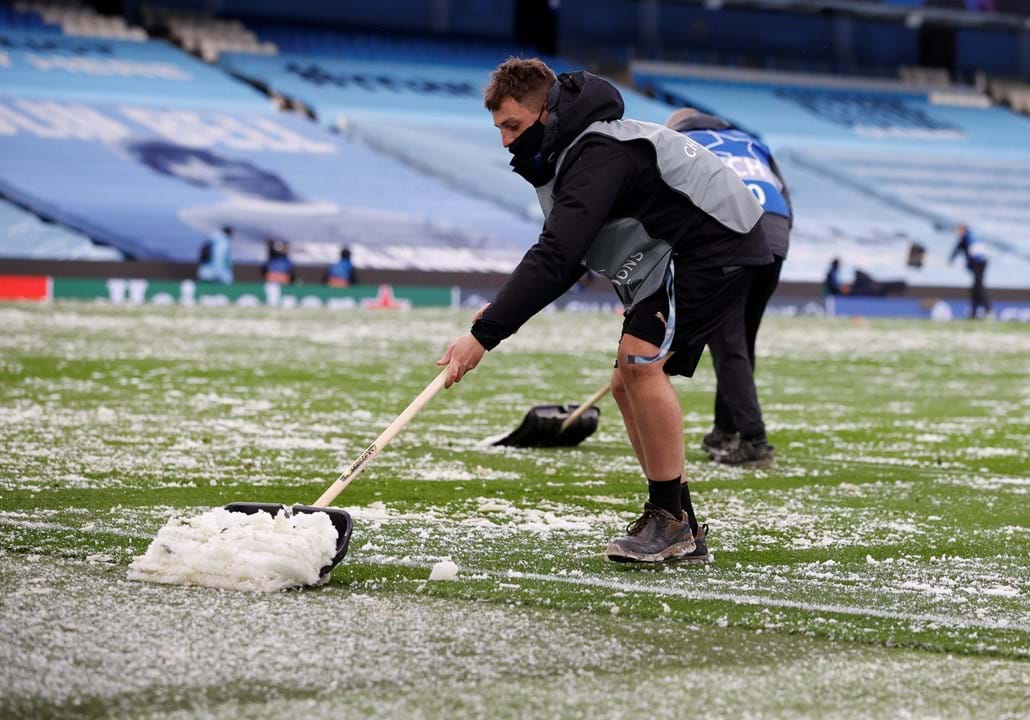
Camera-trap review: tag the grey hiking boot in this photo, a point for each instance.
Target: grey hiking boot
(700, 553)
(654, 537)
(749, 454)
(719, 442)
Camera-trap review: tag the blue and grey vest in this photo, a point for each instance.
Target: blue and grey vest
(624, 252)
(750, 159)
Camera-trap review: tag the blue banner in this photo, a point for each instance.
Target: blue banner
(153, 182)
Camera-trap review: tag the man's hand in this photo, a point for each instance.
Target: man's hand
(462, 356)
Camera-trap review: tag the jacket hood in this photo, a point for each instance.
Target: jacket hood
(574, 101)
(700, 121)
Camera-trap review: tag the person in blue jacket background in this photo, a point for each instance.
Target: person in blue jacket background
(341, 273)
(976, 263)
(738, 436)
(216, 257)
(279, 268)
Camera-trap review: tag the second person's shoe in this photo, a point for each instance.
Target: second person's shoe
(719, 442)
(757, 454)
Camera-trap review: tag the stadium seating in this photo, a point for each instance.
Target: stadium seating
(203, 35)
(23, 235)
(147, 149)
(12, 19)
(1013, 93)
(417, 100)
(878, 165)
(874, 165)
(78, 19)
(102, 70)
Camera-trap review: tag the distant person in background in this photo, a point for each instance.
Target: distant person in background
(864, 284)
(976, 263)
(831, 284)
(738, 436)
(341, 273)
(278, 268)
(216, 257)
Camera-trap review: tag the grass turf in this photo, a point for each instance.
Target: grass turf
(880, 569)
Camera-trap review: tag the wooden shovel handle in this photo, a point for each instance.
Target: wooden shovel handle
(355, 468)
(591, 401)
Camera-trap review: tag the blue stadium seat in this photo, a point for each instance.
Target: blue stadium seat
(418, 100)
(876, 167)
(23, 235)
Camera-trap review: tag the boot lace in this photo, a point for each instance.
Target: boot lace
(640, 523)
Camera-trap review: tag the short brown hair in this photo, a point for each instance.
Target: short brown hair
(522, 79)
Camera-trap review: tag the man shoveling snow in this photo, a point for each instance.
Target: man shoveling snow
(240, 551)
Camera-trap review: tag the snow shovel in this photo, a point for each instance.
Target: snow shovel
(556, 425)
(340, 518)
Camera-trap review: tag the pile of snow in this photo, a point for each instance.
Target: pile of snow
(444, 570)
(237, 551)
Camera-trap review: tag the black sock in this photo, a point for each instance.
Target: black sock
(688, 507)
(666, 495)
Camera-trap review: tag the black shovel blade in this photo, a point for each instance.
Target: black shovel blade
(542, 427)
(340, 518)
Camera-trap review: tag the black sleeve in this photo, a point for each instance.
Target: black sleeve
(783, 183)
(588, 188)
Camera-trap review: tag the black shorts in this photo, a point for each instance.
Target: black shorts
(705, 299)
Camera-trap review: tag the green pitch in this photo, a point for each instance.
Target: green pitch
(882, 568)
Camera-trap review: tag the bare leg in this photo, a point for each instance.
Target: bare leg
(621, 396)
(655, 410)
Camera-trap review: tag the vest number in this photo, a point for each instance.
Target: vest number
(758, 192)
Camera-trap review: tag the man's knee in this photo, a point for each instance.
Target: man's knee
(634, 373)
(630, 370)
(619, 391)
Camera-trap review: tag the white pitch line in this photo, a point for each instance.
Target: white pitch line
(672, 592)
(953, 622)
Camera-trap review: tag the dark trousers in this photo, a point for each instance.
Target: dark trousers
(978, 295)
(733, 353)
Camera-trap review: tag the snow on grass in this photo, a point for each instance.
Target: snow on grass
(184, 652)
(895, 516)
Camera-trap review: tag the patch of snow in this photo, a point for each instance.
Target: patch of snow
(237, 551)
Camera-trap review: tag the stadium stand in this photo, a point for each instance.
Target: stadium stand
(876, 165)
(419, 100)
(23, 235)
(405, 167)
(147, 149)
(12, 19)
(103, 70)
(77, 19)
(203, 35)
(1013, 93)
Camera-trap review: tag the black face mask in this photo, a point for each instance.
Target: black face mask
(527, 161)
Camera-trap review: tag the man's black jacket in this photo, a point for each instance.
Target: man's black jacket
(603, 179)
